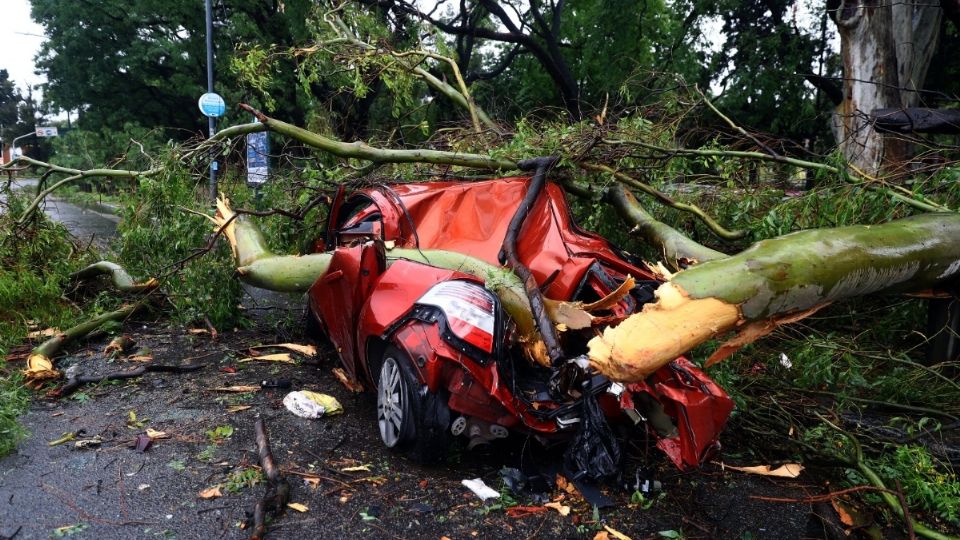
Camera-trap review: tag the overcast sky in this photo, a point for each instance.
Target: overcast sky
(20, 39)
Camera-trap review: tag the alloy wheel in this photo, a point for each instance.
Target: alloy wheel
(391, 402)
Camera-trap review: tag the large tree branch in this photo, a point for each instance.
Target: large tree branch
(676, 247)
(778, 281)
(360, 150)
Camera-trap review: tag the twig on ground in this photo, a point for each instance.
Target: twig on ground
(72, 385)
(278, 490)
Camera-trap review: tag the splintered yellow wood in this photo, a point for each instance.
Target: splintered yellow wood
(664, 330)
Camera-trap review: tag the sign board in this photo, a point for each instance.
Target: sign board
(46, 131)
(258, 157)
(212, 105)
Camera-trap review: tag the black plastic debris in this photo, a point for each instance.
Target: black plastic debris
(525, 488)
(594, 453)
(591, 493)
(282, 384)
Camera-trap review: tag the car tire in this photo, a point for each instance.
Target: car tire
(411, 419)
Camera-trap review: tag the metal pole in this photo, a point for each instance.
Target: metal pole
(14, 143)
(211, 122)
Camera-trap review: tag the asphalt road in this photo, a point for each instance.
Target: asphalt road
(86, 224)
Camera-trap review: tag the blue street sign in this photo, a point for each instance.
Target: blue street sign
(212, 105)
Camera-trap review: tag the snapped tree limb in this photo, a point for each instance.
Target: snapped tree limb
(363, 151)
(676, 246)
(779, 280)
(40, 366)
(119, 277)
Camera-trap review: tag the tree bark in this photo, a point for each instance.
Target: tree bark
(886, 49)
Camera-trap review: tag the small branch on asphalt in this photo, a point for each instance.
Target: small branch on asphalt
(278, 490)
(40, 362)
(75, 383)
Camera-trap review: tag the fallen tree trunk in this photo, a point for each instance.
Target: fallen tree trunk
(777, 281)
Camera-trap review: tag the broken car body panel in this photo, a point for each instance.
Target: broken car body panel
(365, 306)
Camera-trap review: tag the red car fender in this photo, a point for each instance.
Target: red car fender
(699, 407)
(474, 387)
(391, 298)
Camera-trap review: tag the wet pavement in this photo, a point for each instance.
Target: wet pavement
(351, 486)
(87, 224)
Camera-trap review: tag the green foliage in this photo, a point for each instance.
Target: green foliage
(244, 478)
(153, 53)
(68, 530)
(35, 262)
(14, 400)
(129, 147)
(220, 433)
(157, 232)
(928, 483)
(762, 59)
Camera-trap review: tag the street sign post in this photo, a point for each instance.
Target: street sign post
(47, 131)
(212, 105)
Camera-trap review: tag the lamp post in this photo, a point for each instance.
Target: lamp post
(211, 121)
(13, 145)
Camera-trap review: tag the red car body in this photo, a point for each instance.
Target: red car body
(367, 307)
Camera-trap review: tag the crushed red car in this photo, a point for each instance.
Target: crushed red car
(439, 350)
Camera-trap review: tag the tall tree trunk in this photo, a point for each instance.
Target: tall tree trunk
(886, 49)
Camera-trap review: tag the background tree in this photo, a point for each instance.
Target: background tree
(9, 107)
(760, 65)
(116, 62)
(886, 50)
